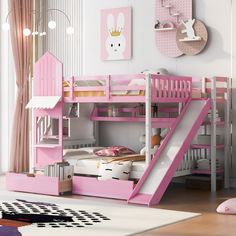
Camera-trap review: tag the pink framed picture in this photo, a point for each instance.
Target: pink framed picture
(116, 33)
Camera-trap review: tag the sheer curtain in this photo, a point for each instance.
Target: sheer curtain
(7, 91)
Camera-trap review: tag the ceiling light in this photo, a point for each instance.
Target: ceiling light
(35, 33)
(42, 33)
(52, 24)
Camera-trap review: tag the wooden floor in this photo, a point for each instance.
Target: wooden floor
(179, 198)
(209, 223)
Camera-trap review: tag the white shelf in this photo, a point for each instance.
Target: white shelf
(70, 117)
(165, 29)
(190, 40)
(47, 145)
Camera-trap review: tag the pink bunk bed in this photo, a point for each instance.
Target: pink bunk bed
(52, 91)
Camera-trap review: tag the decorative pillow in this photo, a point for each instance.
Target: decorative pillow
(80, 151)
(114, 151)
(114, 170)
(227, 207)
(88, 83)
(137, 82)
(73, 152)
(91, 150)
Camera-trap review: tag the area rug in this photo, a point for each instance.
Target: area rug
(90, 217)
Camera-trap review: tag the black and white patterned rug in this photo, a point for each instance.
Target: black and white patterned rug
(83, 216)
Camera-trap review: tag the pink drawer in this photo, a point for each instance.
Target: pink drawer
(119, 189)
(38, 184)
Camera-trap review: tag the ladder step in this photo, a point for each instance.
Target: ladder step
(167, 6)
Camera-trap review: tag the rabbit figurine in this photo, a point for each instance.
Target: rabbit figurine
(116, 42)
(189, 30)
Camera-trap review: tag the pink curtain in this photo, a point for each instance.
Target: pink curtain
(20, 18)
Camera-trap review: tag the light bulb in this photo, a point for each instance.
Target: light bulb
(35, 33)
(42, 33)
(5, 26)
(52, 24)
(26, 32)
(70, 30)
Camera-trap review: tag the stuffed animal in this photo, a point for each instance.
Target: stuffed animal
(155, 143)
(156, 140)
(227, 207)
(159, 71)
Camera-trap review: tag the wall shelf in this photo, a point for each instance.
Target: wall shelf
(218, 123)
(165, 29)
(70, 117)
(44, 145)
(207, 172)
(190, 40)
(131, 115)
(198, 146)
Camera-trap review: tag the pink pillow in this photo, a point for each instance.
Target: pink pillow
(114, 151)
(227, 207)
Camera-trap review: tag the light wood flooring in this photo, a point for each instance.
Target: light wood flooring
(209, 223)
(177, 197)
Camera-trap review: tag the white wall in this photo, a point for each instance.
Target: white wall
(65, 47)
(233, 173)
(214, 60)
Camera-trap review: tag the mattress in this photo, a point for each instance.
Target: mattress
(89, 165)
(102, 93)
(77, 84)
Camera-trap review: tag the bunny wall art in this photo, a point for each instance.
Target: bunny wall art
(116, 34)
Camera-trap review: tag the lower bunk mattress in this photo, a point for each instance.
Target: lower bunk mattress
(90, 165)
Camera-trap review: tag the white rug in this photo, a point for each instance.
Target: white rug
(123, 219)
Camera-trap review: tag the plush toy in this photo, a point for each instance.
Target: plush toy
(227, 207)
(155, 143)
(156, 140)
(159, 71)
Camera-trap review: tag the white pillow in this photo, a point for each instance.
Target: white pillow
(80, 151)
(137, 82)
(114, 170)
(227, 207)
(73, 152)
(91, 150)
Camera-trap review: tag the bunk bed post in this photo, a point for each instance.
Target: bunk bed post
(203, 85)
(227, 134)
(148, 125)
(108, 87)
(213, 134)
(72, 88)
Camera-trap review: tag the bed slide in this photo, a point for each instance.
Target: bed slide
(151, 187)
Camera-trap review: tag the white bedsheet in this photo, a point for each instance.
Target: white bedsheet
(89, 165)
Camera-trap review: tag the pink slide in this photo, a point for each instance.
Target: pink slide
(151, 187)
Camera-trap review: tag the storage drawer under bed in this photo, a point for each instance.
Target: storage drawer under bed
(37, 184)
(91, 186)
